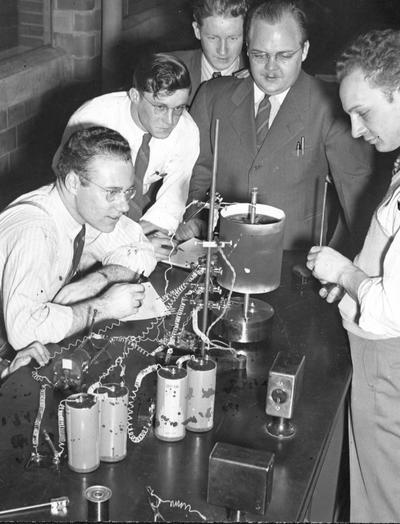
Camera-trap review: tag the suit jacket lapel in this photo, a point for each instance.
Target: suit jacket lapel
(195, 69)
(243, 106)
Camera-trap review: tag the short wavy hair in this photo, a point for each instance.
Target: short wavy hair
(377, 55)
(160, 72)
(272, 12)
(204, 8)
(85, 144)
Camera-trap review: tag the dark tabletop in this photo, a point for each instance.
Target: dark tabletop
(178, 471)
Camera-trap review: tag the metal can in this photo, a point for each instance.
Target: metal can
(98, 498)
(171, 403)
(201, 394)
(83, 432)
(113, 400)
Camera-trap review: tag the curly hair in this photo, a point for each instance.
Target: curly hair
(85, 144)
(273, 10)
(160, 72)
(377, 55)
(205, 8)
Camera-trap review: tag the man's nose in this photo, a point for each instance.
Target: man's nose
(170, 117)
(222, 47)
(357, 127)
(271, 62)
(122, 204)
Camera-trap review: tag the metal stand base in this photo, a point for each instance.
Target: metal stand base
(280, 428)
(234, 326)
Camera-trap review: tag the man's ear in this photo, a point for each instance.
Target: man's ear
(196, 29)
(72, 182)
(134, 95)
(306, 47)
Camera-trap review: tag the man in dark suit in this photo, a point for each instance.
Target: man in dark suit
(307, 140)
(218, 24)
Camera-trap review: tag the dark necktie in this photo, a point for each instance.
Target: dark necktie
(141, 164)
(79, 242)
(262, 118)
(216, 74)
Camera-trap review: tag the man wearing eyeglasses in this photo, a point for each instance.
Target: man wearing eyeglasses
(299, 140)
(163, 138)
(76, 222)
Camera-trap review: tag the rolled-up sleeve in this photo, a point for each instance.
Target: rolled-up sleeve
(379, 296)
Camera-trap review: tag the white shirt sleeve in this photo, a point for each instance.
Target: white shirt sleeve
(27, 289)
(168, 209)
(379, 296)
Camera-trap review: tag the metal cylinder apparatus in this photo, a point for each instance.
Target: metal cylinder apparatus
(98, 501)
(113, 401)
(201, 394)
(256, 250)
(83, 432)
(171, 403)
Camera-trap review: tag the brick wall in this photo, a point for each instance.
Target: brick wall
(8, 24)
(77, 30)
(41, 88)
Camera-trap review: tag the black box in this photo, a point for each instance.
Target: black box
(240, 478)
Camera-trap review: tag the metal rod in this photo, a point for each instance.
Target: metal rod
(246, 298)
(25, 508)
(253, 205)
(321, 234)
(210, 231)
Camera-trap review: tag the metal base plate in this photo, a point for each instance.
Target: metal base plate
(235, 327)
(280, 428)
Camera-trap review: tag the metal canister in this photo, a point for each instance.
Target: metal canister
(98, 498)
(113, 400)
(171, 403)
(201, 394)
(83, 432)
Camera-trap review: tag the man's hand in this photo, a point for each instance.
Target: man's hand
(327, 264)
(194, 227)
(121, 300)
(164, 246)
(36, 351)
(331, 293)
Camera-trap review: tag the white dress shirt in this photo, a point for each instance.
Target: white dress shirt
(171, 158)
(376, 314)
(36, 250)
(207, 69)
(275, 100)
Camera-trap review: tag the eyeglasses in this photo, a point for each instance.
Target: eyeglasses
(281, 57)
(112, 195)
(162, 109)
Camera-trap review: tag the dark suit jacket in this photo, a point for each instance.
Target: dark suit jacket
(284, 177)
(192, 60)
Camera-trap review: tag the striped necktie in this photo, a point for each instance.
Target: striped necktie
(79, 243)
(141, 165)
(262, 120)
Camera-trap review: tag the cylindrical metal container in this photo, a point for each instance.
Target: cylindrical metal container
(113, 400)
(256, 251)
(83, 432)
(171, 403)
(98, 499)
(201, 394)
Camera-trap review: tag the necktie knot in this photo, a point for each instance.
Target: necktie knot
(216, 74)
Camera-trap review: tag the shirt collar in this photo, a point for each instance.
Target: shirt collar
(63, 216)
(207, 69)
(259, 95)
